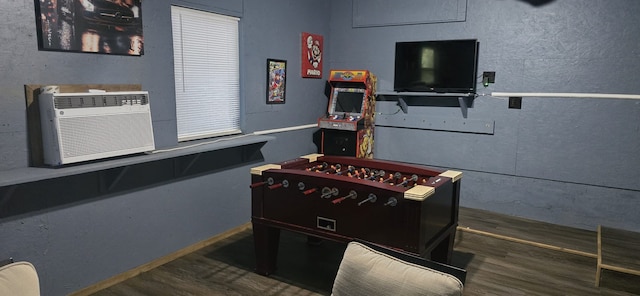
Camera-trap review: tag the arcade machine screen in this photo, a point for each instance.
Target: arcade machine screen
(347, 102)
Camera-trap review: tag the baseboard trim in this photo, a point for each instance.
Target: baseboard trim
(158, 262)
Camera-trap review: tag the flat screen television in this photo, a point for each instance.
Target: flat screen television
(444, 66)
(347, 102)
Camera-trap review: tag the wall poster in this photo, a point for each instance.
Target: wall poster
(99, 26)
(276, 81)
(311, 55)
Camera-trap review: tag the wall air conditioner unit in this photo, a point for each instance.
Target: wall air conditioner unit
(86, 126)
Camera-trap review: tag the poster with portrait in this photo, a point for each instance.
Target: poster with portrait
(98, 26)
(276, 81)
(311, 55)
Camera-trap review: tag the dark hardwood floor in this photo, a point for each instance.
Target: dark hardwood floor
(502, 255)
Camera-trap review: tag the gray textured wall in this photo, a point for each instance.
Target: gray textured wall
(76, 245)
(567, 161)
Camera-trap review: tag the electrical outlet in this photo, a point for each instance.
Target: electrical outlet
(489, 77)
(515, 102)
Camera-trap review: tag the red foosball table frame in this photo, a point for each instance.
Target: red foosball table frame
(407, 207)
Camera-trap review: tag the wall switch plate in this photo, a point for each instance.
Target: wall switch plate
(515, 102)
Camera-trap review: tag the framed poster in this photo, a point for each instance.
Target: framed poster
(98, 26)
(311, 55)
(276, 81)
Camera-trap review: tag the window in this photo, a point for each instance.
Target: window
(205, 48)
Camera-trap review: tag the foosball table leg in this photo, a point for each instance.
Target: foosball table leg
(267, 240)
(444, 250)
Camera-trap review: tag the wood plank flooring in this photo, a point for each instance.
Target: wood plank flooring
(495, 264)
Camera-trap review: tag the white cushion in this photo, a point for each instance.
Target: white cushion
(19, 278)
(367, 272)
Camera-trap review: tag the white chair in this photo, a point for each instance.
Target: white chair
(19, 279)
(370, 270)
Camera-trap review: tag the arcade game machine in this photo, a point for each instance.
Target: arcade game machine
(347, 128)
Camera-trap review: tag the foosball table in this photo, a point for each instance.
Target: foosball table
(407, 207)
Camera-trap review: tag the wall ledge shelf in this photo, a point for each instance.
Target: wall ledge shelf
(34, 189)
(406, 99)
(424, 94)
(34, 174)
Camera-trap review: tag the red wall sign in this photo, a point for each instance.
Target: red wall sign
(311, 55)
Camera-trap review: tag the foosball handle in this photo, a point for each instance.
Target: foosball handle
(372, 198)
(258, 184)
(309, 191)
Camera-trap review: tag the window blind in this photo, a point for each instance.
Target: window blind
(206, 67)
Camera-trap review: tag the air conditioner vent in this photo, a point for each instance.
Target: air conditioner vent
(102, 100)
